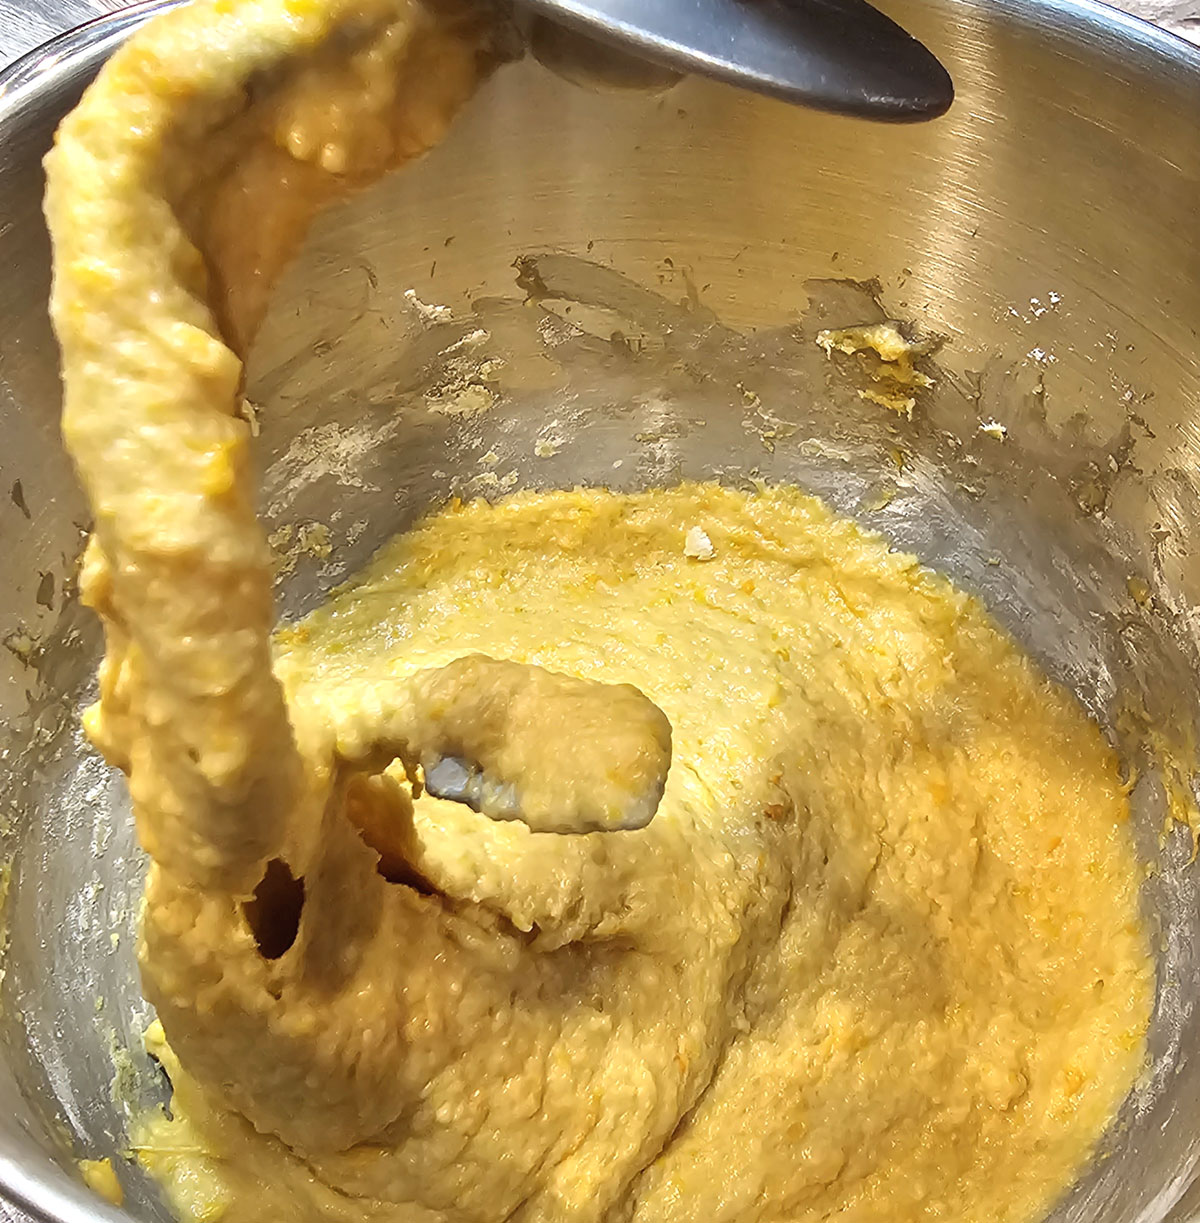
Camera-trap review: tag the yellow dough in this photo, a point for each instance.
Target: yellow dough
(878, 954)
(878, 951)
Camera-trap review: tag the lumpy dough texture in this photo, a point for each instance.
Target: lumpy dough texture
(878, 955)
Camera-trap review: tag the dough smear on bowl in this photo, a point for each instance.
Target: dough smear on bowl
(877, 955)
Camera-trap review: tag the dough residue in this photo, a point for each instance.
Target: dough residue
(891, 366)
(101, 1178)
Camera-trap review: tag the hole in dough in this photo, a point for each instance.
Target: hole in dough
(274, 913)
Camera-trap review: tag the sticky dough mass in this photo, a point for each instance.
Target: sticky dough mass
(878, 955)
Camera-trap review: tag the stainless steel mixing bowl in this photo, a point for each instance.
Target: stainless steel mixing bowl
(626, 289)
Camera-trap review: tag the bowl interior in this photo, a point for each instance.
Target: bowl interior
(626, 290)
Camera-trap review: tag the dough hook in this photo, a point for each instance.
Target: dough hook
(842, 56)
